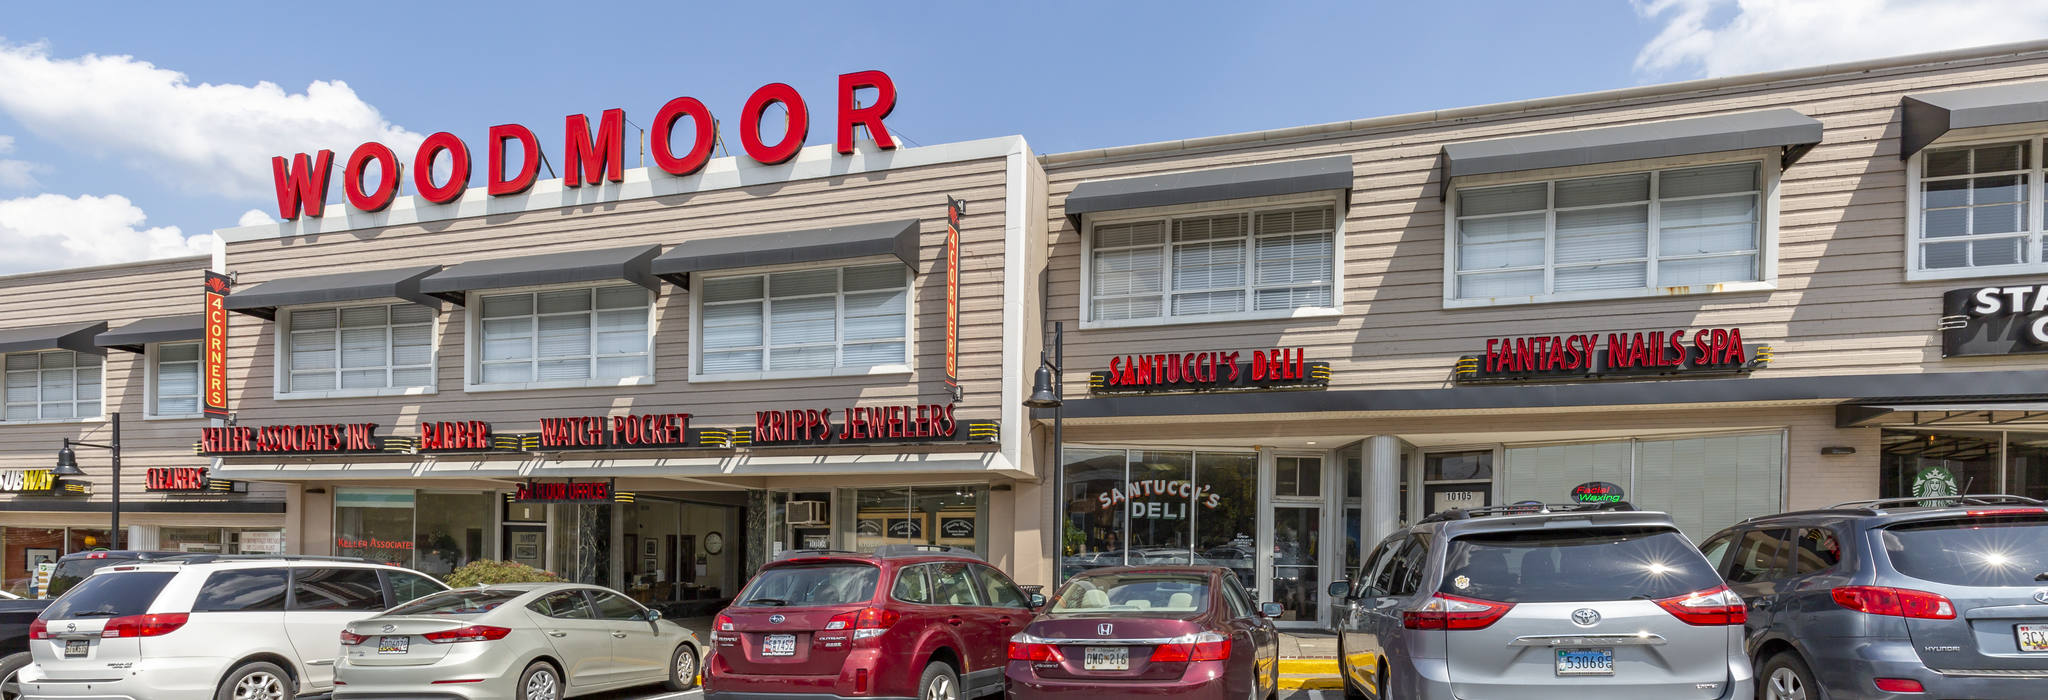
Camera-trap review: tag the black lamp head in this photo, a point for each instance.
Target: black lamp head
(67, 462)
(1042, 395)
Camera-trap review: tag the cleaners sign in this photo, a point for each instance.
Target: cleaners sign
(1716, 351)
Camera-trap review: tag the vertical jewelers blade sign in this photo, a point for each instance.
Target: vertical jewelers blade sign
(954, 208)
(215, 358)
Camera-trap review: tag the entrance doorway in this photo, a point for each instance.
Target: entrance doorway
(1297, 498)
(527, 543)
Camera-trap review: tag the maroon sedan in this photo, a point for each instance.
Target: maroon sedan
(1184, 631)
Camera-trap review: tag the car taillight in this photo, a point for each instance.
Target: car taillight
(153, 625)
(472, 633)
(2004, 511)
(1895, 602)
(39, 629)
(1450, 612)
(872, 622)
(724, 623)
(1714, 606)
(1207, 646)
(1024, 647)
(349, 639)
(1900, 685)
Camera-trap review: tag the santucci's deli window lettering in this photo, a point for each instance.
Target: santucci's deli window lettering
(1160, 507)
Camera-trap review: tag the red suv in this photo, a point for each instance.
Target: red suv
(908, 621)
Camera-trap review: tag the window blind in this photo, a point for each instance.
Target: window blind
(360, 347)
(564, 335)
(805, 320)
(51, 385)
(177, 379)
(1976, 205)
(1273, 259)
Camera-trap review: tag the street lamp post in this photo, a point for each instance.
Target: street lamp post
(1047, 391)
(67, 465)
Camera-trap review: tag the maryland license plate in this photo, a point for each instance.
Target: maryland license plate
(2033, 638)
(778, 645)
(1585, 662)
(1106, 659)
(393, 645)
(76, 648)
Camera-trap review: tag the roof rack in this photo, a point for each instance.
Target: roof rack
(1529, 508)
(1985, 499)
(208, 558)
(888, 551)
(801, 553)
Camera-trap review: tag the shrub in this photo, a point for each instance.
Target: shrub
(483, 571)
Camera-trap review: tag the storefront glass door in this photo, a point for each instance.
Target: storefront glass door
(1297, 537)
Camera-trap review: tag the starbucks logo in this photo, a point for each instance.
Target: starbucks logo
(1934, 482)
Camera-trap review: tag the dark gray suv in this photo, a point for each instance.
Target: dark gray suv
(1896, 598)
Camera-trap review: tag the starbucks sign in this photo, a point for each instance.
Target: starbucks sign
(1935, 481)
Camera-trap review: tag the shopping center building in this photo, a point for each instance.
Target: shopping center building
(1720, 299)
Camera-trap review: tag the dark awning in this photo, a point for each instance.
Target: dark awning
(162, 329)
(1781, 128)
(1947, 414)
(76, 335)
(1212, 185)
(627, 264)
(898, 238)
(1929, 115)
(263, 299)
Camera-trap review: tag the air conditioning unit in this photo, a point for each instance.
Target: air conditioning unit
(806, 513)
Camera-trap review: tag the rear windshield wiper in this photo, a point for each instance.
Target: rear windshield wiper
(96, 613)
(2043, 576)
(766, 601)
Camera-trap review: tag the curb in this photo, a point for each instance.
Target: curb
(1309, 674)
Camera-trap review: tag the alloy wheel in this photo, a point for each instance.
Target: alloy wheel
(261, 685)
(686, 666)
(941, 689)
(1785, 685)
(541, 685)
(10, 687)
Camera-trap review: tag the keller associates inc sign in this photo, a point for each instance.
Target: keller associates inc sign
(1659, 354)
(587, 158)
(2006, 320)
(1277, 369)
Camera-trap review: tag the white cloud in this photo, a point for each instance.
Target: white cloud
(16, 174)
(50, 231)
(1706, 38)
(255, 217)
(204, 138)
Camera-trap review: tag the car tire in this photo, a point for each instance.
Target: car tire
(1351, 691)
(257, 680)
(1385, 684)
(10, 670)
(1786, 677)
(680, 676)
(939, 682)
(540, 681)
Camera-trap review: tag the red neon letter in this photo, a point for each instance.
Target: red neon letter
(301, 183)
(458, 171)
(387, 179)
(799, 126)
(529, 161)
(604, 158)
(665, 122)
(870, 116)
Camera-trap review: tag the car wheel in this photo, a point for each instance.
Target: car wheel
(1786, 677)
(682, 669)
(938, 683)
(261, 680)
(10, 670)
(539, 681)
(1351, 691)
(1384, 684)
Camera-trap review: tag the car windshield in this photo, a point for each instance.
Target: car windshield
(1575, 565)
(804, 585)
(1135, 593)
(467, 601)
(70, 571)
(118, 594)
(1975, 551)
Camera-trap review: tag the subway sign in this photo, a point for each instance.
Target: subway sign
(1584, 356)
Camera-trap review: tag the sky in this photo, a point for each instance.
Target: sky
(133, 131)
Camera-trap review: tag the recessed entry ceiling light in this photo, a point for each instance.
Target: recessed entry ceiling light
(1311, 442)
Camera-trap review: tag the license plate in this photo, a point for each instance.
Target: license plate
(75, 648)
(2033, 638)
(1106, 659)
(393, 645)
(1585, 662)
(778, 645)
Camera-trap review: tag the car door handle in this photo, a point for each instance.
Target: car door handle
(954, 621)
(1003, 620)
(557, 633)
(619, 635)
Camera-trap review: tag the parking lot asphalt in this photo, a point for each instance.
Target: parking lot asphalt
(639, 694)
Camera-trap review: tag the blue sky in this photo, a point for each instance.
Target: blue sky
(78, 133)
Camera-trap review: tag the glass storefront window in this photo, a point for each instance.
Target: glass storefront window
(23, 548)
(206, 540)
(951, 516)
(1457, 480)
(453, 529)
(1225, 510)
(84, 539)
(2026, 464)
(1939, 464)
(1092, 526)
(1161, 522)
(1160, 507)
(375, 524)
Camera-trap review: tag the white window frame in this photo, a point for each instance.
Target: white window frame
(473, 332)
(1250, 207)
(74, 396)
(281, 357)
(2037, 222)
(150, 360)
(892, 368)
(1767, 228)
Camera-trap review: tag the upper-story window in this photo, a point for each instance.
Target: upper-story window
(174, 380)
(564, 337)
(1212, 266)
(52, 385)
(836, 320)
(1978, 210)
(358, 350)
(1630, 234)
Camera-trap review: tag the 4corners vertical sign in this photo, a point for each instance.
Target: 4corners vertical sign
(215, 358)
(954, 209)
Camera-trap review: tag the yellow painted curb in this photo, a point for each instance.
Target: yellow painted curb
(1296, 682)
(1315, 666)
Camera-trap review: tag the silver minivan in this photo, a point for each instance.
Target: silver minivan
(1533, 601)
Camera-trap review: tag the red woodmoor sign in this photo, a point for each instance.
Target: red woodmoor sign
(586, 158)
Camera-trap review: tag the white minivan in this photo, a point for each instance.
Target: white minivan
(209, 627)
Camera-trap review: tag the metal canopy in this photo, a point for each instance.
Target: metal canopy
(263, 300)
(1212, 185)
(897, 238)
(1983, 413)
(629, 264)
(162, 329)
(1785, 129)
(76, 336)
(1927, 116)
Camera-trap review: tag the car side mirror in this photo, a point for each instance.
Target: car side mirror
(1272, 610)
(1340, 590)
(1037, 601)
(651, 615)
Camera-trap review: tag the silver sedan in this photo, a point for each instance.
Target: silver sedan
(542, 641)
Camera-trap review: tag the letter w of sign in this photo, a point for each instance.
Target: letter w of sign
(302, 182)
